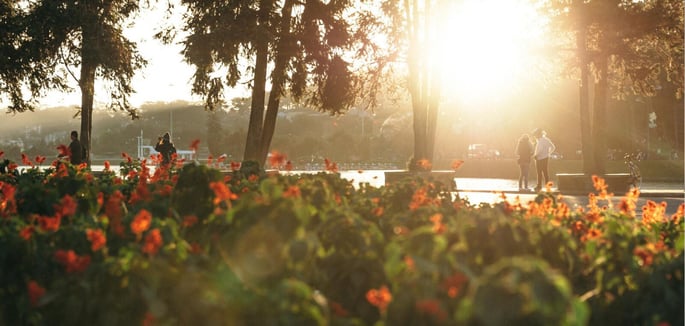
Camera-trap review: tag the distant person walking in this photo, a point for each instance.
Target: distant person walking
(75, 152)
(524, 150)
(543, 148)
(166, 148)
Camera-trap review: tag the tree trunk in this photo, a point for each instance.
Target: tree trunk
(584, 99)
(599, 125)
(277, 80)
(254, 130)
(87, 84)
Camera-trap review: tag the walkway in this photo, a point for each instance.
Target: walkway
(486, 190)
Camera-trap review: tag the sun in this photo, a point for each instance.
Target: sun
(488, 46)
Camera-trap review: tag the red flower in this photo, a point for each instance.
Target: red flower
(63, 150)
(67, 206)
(25, 160)
(189, 220)
(194, 145)
(107, 166)
(379, 297)
(153, 241)
(49, 223)
(338, 309)
(276, 159)
(141, 222)
(27, 232)
(40, 159)
(293, 191)
(72, 262)
(97, 239)
(221, 192)
(35, 292)
(330, 166)
(235, 166)
(431, 307)
(454, 283)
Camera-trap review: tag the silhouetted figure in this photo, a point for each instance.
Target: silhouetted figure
(75, 152)
(524, 150)
(166, 148)
(543, 148)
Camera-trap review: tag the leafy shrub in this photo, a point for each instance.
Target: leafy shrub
(189, 245)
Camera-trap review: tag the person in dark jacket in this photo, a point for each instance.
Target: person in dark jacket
(524, 150)
(75, 149)
(166, 148)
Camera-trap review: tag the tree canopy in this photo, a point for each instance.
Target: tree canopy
(49, 40)
(310, 50)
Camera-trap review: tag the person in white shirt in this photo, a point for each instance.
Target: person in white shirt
(543, 148)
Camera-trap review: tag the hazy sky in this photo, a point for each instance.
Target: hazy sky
(485, 54)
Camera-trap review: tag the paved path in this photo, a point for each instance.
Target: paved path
(487, 190)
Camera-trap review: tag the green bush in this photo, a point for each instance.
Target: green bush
(191, 245)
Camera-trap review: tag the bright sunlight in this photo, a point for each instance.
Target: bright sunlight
(489, 48)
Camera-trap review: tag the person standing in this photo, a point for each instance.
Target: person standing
(543, 148)
(75, 149)
(166, 148)
(524, 150)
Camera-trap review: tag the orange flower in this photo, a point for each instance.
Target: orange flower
(153, 241)
(438, 226)
(424, 164)
(420, 198)
(141, 222)
(72, 262)
(678, 215)
(27, 232)
(591, 234)
(379, 297)
(97, 239)
(456, 164)
(653, 212)
(293, 191)
(644, 255)
(221, 192)
(378, 211)
(409, 262)
(35, 292)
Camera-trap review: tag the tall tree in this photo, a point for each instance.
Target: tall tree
(417, 28)
(627, 46)
(56, 37)
(305, 49)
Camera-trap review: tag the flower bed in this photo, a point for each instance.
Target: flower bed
(190, 245)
